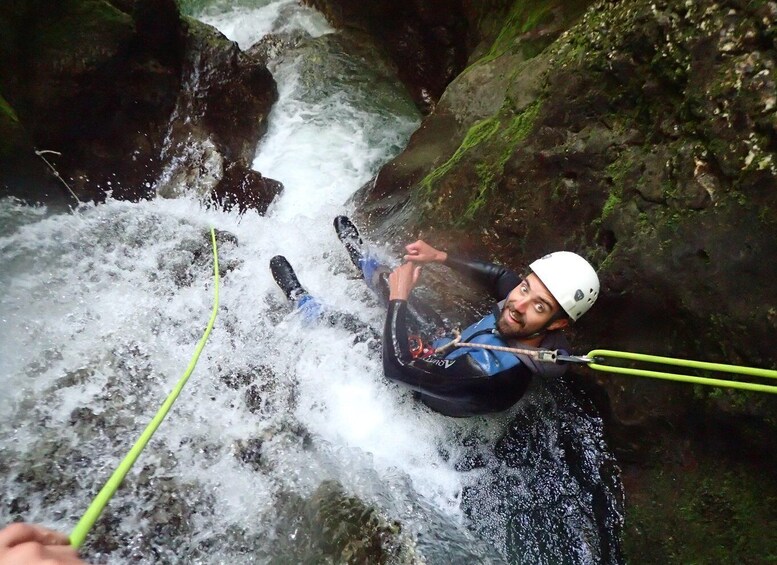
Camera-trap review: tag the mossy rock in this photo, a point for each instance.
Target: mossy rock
(704, 511)
(12, 134)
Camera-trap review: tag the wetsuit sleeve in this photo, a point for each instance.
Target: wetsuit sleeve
(457, 387)
(497, 279)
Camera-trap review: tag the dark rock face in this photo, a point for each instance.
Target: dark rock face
(643, 138)
(480, 91)
(649, 148)
(107, 85)
(84, 84)
(426, 39)
(220, 115)
(245, 189)
(332, 527)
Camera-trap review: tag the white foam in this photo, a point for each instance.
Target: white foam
(248, 24)
(112, 301)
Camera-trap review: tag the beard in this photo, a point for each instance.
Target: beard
(511, 324)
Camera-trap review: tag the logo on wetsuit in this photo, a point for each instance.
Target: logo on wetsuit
(442, 362)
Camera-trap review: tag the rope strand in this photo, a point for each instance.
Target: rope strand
(92, 513)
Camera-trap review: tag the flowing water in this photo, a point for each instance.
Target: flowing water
(287, 445)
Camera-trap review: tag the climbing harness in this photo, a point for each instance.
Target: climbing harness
(419, 349)
(79, 533)
(596, 359)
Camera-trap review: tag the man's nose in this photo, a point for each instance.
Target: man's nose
(521, 304)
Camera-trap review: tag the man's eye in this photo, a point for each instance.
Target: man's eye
(524, 288)
(540, 308)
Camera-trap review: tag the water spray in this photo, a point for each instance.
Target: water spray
(87, 521)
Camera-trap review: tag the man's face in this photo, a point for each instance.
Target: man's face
(527, 309)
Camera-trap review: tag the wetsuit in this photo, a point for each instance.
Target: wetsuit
(467, 381)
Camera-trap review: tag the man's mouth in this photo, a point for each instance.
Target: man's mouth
(515, 317)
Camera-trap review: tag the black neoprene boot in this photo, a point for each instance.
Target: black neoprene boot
(285, 277)
(349, 235)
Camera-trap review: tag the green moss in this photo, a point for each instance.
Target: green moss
(523, 17)
(739, 197)
(85, 34)
(611, 203)
(476, 135)
(619, 170)
(607, 262)
(705, 514)
(11, 129)
(7, 113)
(495, 140)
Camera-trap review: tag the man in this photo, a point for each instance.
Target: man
(532, 311)
(468, 381)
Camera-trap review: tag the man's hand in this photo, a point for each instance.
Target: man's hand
(422, 252)
(28, 544)
(402, 280)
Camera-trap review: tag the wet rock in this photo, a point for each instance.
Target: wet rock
(249, 452)
(238, 380)
(426, 40)
(253, 399)
(194, 256)
(18, 508)
(74, 378)
(274, 45)
(510, 73)
(244, 189)
(219, 118)
(331, 526)
(124, 92)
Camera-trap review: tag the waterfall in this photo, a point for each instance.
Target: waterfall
(287, 439)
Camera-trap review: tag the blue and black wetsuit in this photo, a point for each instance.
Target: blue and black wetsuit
(466, 381)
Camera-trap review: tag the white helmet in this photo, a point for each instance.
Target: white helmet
(570, 279)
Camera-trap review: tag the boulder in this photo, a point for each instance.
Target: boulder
(220, 115)
(244, 189)
(427, 40)
(124, 91)
(643, 138)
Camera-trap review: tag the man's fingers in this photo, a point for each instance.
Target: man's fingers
(20, 532)
(417, 251)
(29, 553)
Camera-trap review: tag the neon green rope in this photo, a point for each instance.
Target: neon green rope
(719, 367)
(92, 513)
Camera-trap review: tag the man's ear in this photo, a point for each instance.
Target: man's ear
(559, 324)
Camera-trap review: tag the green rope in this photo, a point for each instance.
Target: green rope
(92, 513)
(599, 354)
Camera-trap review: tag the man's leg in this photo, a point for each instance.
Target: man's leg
(369, 266)
(422, 318)
(287, 279)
